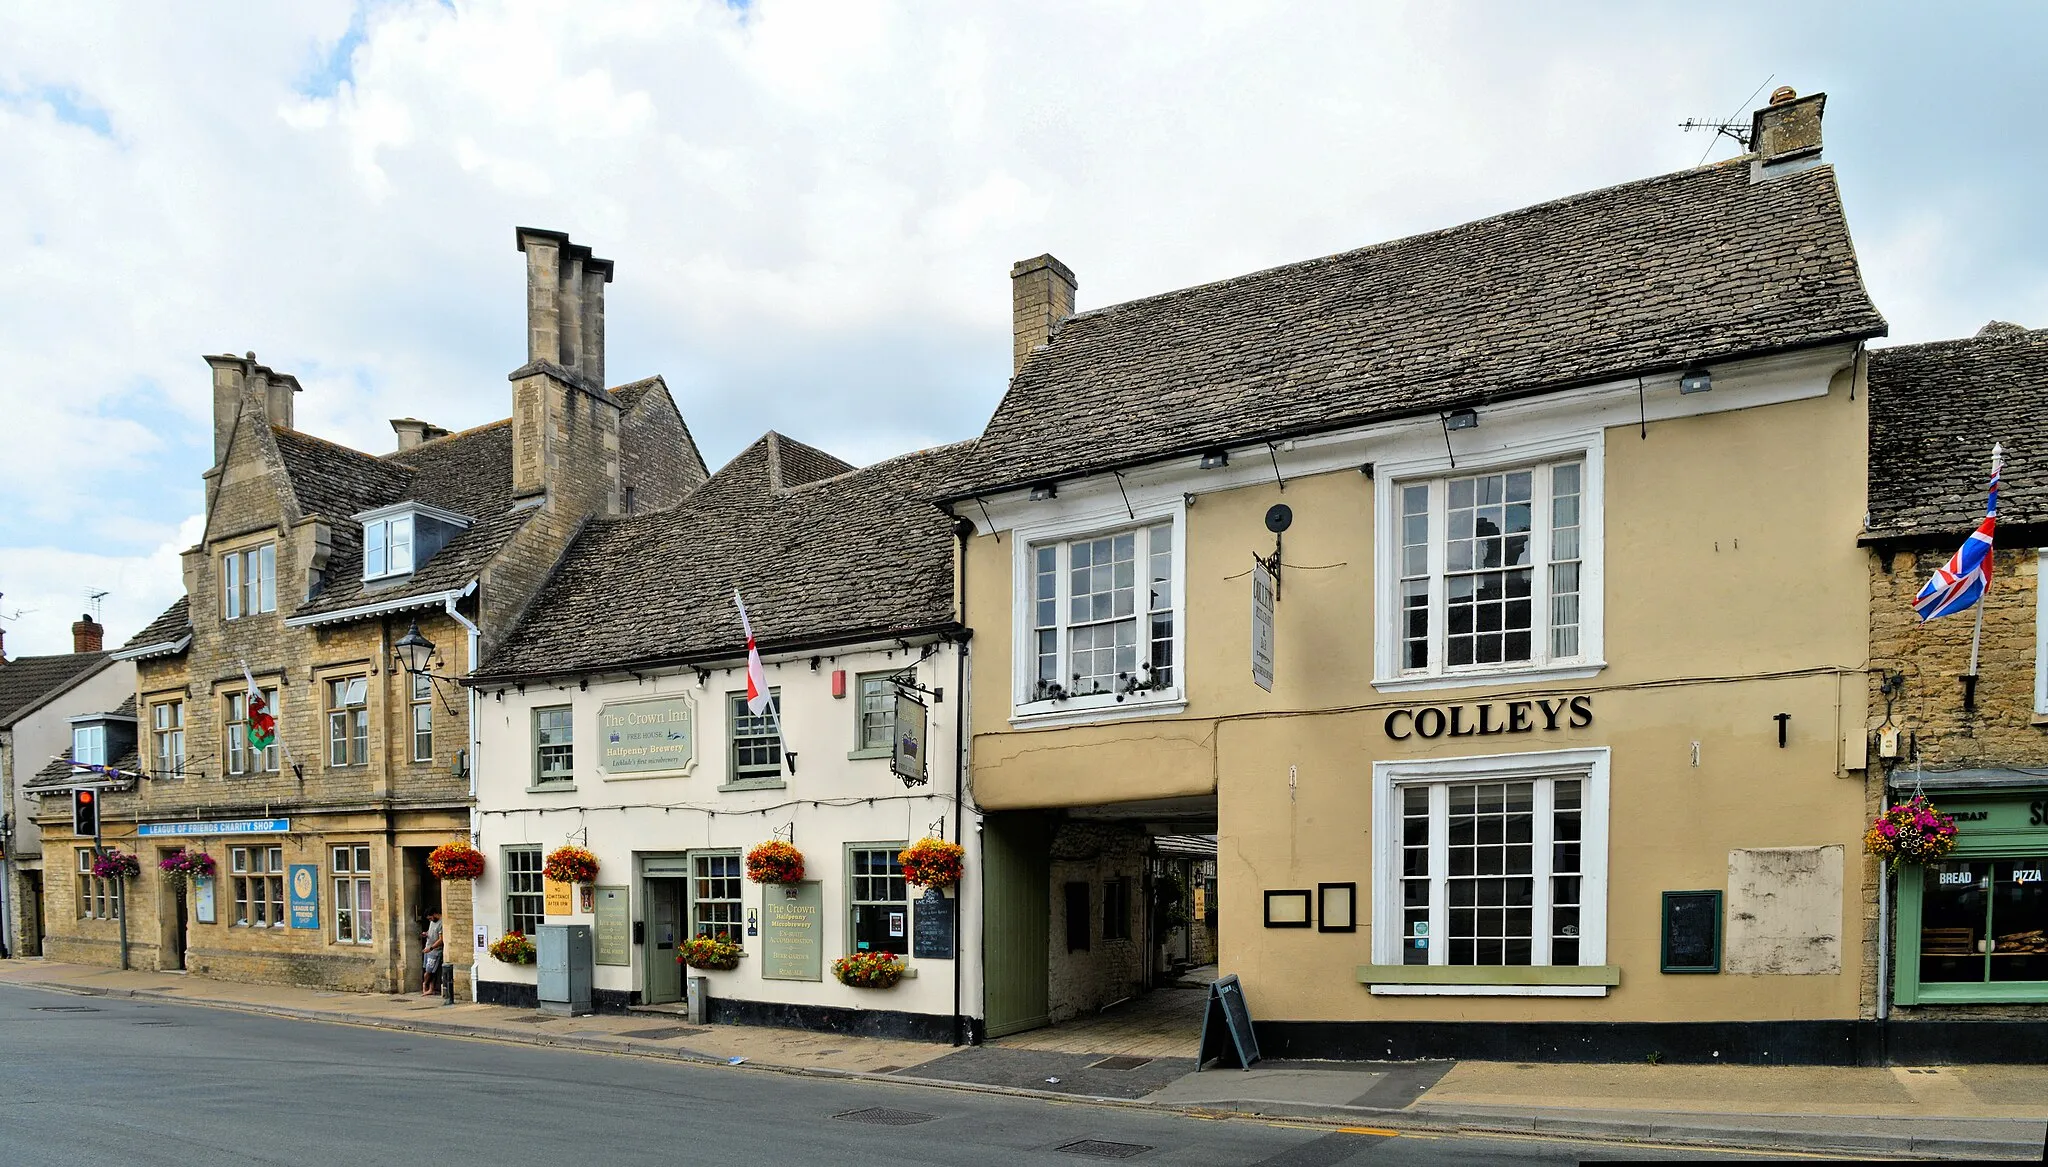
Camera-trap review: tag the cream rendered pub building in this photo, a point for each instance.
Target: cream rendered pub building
(1562, 750)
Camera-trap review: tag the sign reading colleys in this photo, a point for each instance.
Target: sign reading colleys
(1487, 718)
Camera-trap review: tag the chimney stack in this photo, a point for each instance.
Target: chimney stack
(564, 304)
(1041, 295)
(87, 635)
(1786, 133)
(239, 382)
(412, 431)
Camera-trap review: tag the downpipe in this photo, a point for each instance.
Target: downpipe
(475, 739)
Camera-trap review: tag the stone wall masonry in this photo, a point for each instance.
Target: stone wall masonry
(1082, 982)
(655, 458)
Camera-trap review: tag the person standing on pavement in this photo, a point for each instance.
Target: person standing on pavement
(430, 955)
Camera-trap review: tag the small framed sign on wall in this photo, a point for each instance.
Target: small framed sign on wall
(1692, 932)
(1336, 907)
(1287, 909)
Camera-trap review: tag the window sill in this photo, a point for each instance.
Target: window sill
(1426, 980)
(1066, 713)
(1572, 672)
(864, 755)
(2008, 993)
(552, 788)
(775, 783)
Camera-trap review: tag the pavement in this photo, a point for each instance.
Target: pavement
(1145, 1059)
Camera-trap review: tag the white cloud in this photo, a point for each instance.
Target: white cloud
(814, 205)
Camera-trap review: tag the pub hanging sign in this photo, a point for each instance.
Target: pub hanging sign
(1487, 718)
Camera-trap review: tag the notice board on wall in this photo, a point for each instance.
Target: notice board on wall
(1692, 932)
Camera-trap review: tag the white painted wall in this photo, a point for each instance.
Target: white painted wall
(628, 817)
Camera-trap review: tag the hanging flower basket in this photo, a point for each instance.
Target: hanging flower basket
(1911, 832)
(513, 948)
(710, 952)
(187, 865)
(775, 862)
(116, 865)
(868, 970)
(570, 865)
(932, 862)
(457, 860)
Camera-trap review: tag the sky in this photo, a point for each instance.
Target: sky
(813, 206)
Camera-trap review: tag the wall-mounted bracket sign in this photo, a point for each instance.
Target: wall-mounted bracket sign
(907, 755)
(655, 735)
(1487, 718)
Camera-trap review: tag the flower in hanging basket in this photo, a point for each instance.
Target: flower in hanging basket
(932, 862)
(710, 952)
(868, 970)
(457, 860)
(189, 865)
(116, 865)
(1911, 832)
(775, 862)
(513, 948)
(570, 865)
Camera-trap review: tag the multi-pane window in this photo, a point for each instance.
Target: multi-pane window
(387, 547)
(248, 582)
(715, 897)
(241, 758)
(1102, 616)
(877, 727)
(1116, 909)
(1490, 568)
(880, 903)
(756, 746)
(352, 895)
(258, 874)
(1491, 872)
(1984, 921)
(98, 899)
(89, 745)
(422, 717)
(525, 897)
(554, 745)
(348, 721)
(167, 737)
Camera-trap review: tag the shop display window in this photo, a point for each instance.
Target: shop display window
(1984, 921)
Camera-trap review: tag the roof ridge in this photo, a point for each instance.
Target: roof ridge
(1438, 233)
(2024, 336)
(328, 442)
(447, 437)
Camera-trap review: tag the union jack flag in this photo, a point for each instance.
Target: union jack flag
(1961, 581)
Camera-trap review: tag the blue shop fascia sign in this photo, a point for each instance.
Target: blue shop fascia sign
(219, 827)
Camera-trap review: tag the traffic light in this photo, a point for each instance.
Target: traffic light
(85, 813)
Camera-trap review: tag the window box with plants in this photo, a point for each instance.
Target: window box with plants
(513, 948)
(869, 970)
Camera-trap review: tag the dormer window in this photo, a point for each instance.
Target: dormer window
(399, 538)
(89, 745)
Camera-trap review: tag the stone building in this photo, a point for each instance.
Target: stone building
(44, 704)
(315, 560)
(616, 718)
(1969, 936)
(1446, 582)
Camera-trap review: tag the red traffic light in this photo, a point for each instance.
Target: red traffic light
(85, 796)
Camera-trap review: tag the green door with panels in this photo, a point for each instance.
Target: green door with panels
(1016, 912)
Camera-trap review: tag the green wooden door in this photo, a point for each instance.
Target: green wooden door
(1016, 912)
(664, 929)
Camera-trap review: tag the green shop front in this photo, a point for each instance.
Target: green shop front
(1973, 928)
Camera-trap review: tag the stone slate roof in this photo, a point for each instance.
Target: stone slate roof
(1651, 276)
(173, 625)
(1935, 410)
(57, 771)
(28, 683)
(854, 554)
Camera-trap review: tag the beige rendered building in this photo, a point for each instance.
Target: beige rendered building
(1494, 596)
(316, 559)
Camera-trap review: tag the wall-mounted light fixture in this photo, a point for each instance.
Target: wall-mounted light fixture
(1461, 419)
(1215, 459)
(1045, 490)
(1695, 380)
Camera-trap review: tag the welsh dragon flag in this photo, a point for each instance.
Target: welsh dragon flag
(262, 726)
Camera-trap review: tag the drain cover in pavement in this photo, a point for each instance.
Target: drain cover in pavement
(661, 1033)
(1119, 1062)
(63, 1009)
(1098, 1149)
(884, 1116)
(535, 1019)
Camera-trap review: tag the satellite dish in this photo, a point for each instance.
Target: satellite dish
(1279, 517)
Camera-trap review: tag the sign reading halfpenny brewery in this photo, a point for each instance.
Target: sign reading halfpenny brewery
(793, 932)
(641, 737)
(1487, 718)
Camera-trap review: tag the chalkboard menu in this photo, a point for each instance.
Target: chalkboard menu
(1692, 931)
(1227, 1035)
(931, 929)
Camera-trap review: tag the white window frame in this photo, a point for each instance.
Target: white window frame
(422, 706)
(89, 744)
(380, 532)
(1586, 447)
(98, 899)
(235, 742)
(1588, 766)
(167, 737)
(734, 929)
(524, 886)
(351, 874)
(2041, 633)
(248, 581)
(1109, 516)
(542, 777)
(348, 721)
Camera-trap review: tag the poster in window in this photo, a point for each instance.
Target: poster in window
(202, 899)
(895, 925)
(907, 757)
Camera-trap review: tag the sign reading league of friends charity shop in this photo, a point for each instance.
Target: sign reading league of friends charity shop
(656, 735)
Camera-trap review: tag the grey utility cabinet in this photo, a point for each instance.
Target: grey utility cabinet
(565, 960)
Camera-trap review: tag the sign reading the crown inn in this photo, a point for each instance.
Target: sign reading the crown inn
(657, 734)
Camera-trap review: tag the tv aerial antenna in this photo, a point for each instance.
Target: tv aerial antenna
(17, 614)
(94, 598)
(1734, 127)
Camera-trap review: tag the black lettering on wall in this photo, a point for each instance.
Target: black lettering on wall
(1458, 726)
(1550, 713)
(1395, 716)
(1429, 722)
(1582, 712)
(1518, 718)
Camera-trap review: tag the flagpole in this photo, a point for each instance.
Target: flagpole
(1977, 634)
